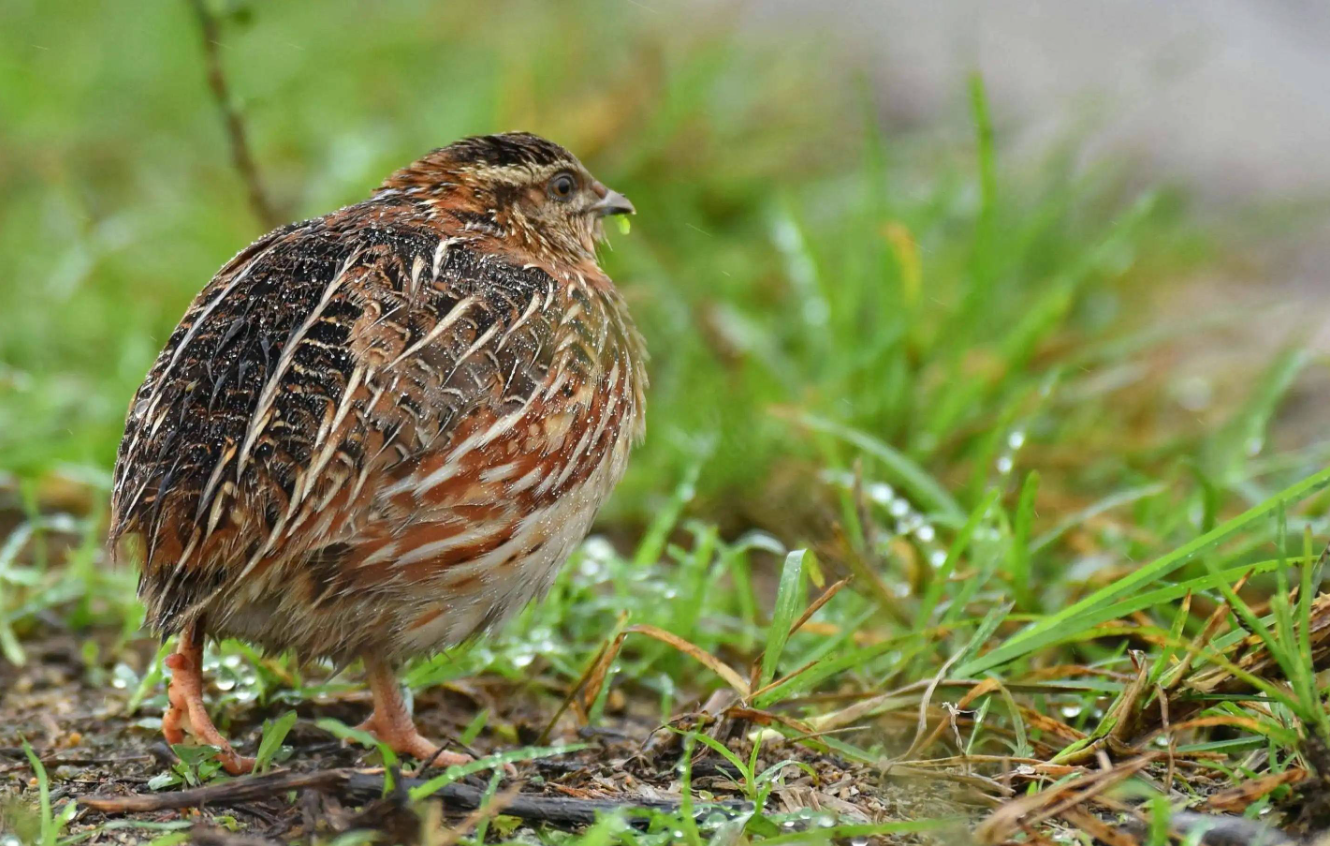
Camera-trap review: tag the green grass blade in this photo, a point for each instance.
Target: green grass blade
(926, 490)
(1018, 558)
(938, 584)
(274, 732)
(44, 792)
(1052, 628)
(787, 606)
(653, 542)
(1104, 505)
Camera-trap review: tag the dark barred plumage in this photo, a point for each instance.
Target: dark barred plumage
(380, 432)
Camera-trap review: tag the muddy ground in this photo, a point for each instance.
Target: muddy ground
(77, 719)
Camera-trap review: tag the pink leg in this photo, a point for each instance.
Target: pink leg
(186, 712)
(391, 723)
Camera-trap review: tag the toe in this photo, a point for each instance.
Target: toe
(235, 764)
(442, 759)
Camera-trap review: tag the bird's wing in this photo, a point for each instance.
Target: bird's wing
(324, 355)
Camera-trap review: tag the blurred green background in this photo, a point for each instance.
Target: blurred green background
(798, 263)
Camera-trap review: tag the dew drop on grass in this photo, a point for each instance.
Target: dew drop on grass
(859, 841)
(1071, 711)
(225, 684)
(591, 568)
(881, 493)
(926, 533)
(1016, 439)
(231, 661)
(123, 676)
(1005, 464)
(899, 508)
(597, 548)
(937, 558)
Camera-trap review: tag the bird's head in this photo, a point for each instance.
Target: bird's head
(519, 187)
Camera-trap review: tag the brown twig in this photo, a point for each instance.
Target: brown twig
(364, 786)
(232, 119)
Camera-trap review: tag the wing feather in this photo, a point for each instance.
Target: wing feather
(317, 364)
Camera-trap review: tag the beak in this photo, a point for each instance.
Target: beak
(612, 203)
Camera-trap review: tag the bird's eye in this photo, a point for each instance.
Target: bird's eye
(562, 186)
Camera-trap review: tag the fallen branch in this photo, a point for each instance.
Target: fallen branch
(365, 786)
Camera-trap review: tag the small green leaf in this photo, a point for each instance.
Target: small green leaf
(342, 731)
(724, 751)
(192, 756)
(274, 732)
(161, 781)
(44, 788)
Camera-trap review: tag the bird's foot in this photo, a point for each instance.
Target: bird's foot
(391, 723)
(186, 711)
(399, 733)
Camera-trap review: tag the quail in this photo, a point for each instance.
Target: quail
(380, 432)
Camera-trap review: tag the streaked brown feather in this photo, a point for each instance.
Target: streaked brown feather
(383, 428)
